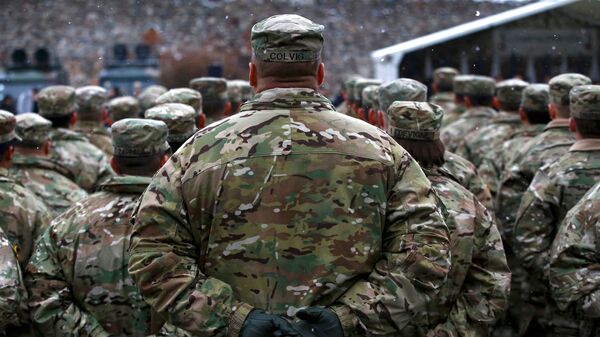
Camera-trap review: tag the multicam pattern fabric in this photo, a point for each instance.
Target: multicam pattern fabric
(7, 126)
(452, 113)
(56, 101)
(561, 85)
(585, 102)
(370, 97)
(80, 266)
(535, 97)
(300, 203)
(13, 295)
(402, 89)
(212, 88)
(85, 164)
(360, 85)
(135, 137)
(22, 215)
(472, 119)
(444, 100)
(178, 117)
(148, 96)
(90, 100)
(186, 96)
(466, 174)
(124, 107)
(96, 134)
(41, 176)
(444, 76)
(510, 91)
(479, 85)
(414, 120)
(32, 128)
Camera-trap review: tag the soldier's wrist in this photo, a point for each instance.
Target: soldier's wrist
(348, 319)
(238, 317)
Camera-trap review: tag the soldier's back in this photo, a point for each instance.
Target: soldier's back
(472, 119)
(465, 173)
(97, 135)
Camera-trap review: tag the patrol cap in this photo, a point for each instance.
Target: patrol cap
(349, 87)
(178, 117)
(585, 102)
(123, 107)
(459, 84)
(287, 38)
(479, 85)
(444, 76)
(186, 96)
(561, 85)
(370, 97)
(90, 99)
(33, 128)
(211, 88)
(239, 91)
(149, 95)
(535, 97)
(135, 137)
(510, 91)
(7, 127)
(402, 89)
(363, 83)
(415, 120)
(56, 101)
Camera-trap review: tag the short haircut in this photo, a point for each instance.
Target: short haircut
(213, 107)
(428, 153)
(445, 87)
(140, 166)
(60, 121)
(537, 116)
(286, 70)
(480, 100)
(509, 106)
(588, 128)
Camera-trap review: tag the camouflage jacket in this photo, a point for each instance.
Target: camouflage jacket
(285, 205)
(477, 144)
(13, 296)
(87, 165)
(97, 134)
(465, 173)
(554, 190)
(446, 101)
(574, 276)
(80, 265)
(452, 115)
(478, 285)
(22, 215)
(472, 119)
(40, 176)
(541, 150)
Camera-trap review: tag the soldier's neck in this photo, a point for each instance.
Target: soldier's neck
(30, 151)
(267, 83)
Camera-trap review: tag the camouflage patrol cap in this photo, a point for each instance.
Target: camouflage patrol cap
(535, 97)
(459, 84)
(444, 76)
(361, 84)
(33, 128)
(7, 127)
(186, 96)
(287, 38)
(585, 102)
(349, 87)
(149, 95)
(239, 91)
(90, 99)
(510, 91)
(56, 101)
(135, 137)
(370, 97)
(415, 120)
(211, 88)
(561, 85)
(178, 117)
(123, 107)
(479, 85)
(402, 89)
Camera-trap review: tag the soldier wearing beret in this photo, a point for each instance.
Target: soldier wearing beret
(289, 205)
(443, 90)
(179, 119)
(90, 116)
(80, 262)
(215, 103)
(84, 163)
(478, 285)
(238, 92)
(33, 168)
(555, 189)
(123, 107)
(186, 96)
(458, 84)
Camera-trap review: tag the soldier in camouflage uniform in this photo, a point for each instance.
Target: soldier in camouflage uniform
(405, 89)
(443, 90)
(476, 292)
(85, 164)
(348, 91)
(288, 205)
(33, 169)
(123, 107)
(90, 121)
(238, 92)
(13, 295)
(77, 276)
(358, 89)
(478, 96)
(554, 190)
(186, 96)
(179, 119)
(503, 126)
(459, 87)
(22, 214)
(573, 275)
(370, 104)
(148, 96)
(215, 103)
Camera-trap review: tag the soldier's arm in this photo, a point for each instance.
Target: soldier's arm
(13, 296)
(163, 263)
(535, 222)
(415, 257)
(476, 185)
(53, 309)
(489, 174)
(512, 186)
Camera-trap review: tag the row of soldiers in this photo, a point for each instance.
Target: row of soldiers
(537, 153)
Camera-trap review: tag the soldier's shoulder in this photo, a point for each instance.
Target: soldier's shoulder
(458, 165)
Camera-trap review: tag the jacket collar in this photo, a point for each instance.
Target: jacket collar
(584, 145)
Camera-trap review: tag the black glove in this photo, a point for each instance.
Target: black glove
(260, 324)
(319, 322)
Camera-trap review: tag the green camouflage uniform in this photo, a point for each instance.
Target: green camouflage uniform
(476, 292)
(503, 126)
(85, 164)
(186, 96)
(148, 96)
(123, 107)
(453, 115)
(370, 97)
(77, 276)
(238, 92)
(444, 77)
(554, 190)
(359, 86)
(212, 89)
(37, 172)
(347, 109)
(179, 119)
(13, 295)
(573, 275)
(474, 117)
(285, 205)
(90, 101)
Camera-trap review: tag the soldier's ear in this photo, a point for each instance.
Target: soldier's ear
(46, 147)
(572, 125)
(9, 153)
(164, 159)
(552, 110)
(252, 75)
(73, 119)
(227, 110)
(496, 103)
(522, 115)
(113, 164)
(467, 101)
(321, 73)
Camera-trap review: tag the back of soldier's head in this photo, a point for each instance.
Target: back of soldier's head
(534, 103)
(148, 96)
(33, 129)
(443, 79)
(7, 133)
(479, 90)
(214, 95)
(123, 107)
(458, 84)
(360, 85)
(186, 96)
(402, 89)
(180, 119)
(349, 88)
(560, 86)
(57, 104)
(585, 110)
(238, 92)
(140, 146)
(509, 94)
(90, 100)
